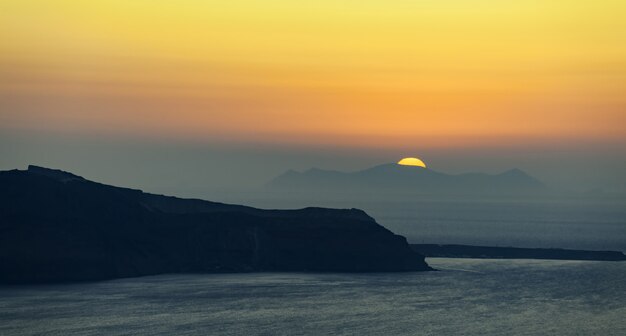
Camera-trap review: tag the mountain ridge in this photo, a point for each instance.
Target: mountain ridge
(397, 178)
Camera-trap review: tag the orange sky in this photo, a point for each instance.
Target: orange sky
(445, 73)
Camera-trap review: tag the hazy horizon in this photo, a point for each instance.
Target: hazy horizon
(200, 169)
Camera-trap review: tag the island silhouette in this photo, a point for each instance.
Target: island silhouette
(413, 179)
(57, 226)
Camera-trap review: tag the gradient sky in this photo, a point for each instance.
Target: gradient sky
(502, 83)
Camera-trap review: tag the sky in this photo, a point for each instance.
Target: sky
(187, 95)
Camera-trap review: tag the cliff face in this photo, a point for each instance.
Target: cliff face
(55, 226)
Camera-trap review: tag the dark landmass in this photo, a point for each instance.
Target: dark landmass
(399, 179)
(56, 226)
(489, 252)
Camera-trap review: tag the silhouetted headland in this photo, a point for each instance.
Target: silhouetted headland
(492, 252)
(56, 226)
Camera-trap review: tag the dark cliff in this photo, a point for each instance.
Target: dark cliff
(56, 226)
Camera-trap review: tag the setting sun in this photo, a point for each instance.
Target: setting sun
(412, 162)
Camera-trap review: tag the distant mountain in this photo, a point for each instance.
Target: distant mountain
(408, 179)
(56, 226)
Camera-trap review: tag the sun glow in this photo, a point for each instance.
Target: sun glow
(367, 74)
(412, 162)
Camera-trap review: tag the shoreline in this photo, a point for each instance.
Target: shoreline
(493, 252)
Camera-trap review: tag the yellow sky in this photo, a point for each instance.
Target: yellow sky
(351, 73)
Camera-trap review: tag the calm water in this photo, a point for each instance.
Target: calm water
(560, 224)
(468, 297)
(564, 223)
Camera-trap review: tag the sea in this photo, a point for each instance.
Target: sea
(464, 297)
(570, 223)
